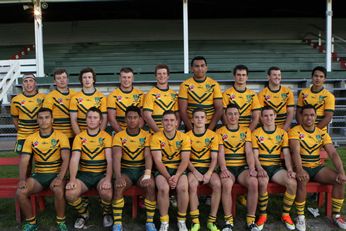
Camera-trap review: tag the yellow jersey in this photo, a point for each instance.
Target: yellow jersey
(92, 149)
(170, 148)
(247, 101)
(158, 101)
(119, 101)
(46, 150)
(269, 145)
(234, 145)
(132, 147)
(81, 102)
(59, 103)
(25, 108)
(279, 100)
(310, 144)
(200, 94)
(202, 145)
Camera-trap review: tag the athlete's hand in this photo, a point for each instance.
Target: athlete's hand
(22, 184)
(301, 175)
(146, 180)
(291, 174)
(262, 173)
(253, 172)
(56, 182)
(72, 184)
(206, 177)
(106, 184)
(340, 178)
(198, 175)
(120, 182)
(225, 173)
(172, 181)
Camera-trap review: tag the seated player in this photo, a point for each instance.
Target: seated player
(50, 150)
(203, 160)
(237, 164)
(91, 166)
(306, 141)
(268, 142)
(132, 163)
(171, 152)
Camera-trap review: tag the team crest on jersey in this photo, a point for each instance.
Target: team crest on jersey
(242, 135)
(101, 143)
(248, 98)
(321, 99)
(319, 138)
(284, 96)
(53, 143)
(191, 87)
(208, 87)
(158, 96)
(174, 96)
(39, 101)
(163, 145)
(178, 144)
(59, 100)
(305, 96)
(35, 144)
(142, 141)
(22, 102)
(301, 136)
(225, 137)
(123, 141)
(135, 97)
(232, 96)
(84, 140)
(80, 100)
(207, 141)
(278, 139)
(267, 97)
(119, 98)
(261, 139)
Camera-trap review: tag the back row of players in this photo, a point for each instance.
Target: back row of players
(252, 161)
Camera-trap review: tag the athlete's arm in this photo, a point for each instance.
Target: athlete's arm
(207, 175)
(328, 116)
(159, 165)
(23, 168)
(65, 156)
(183, 114)
(109, 171)
(299, 117)
(111, 118)
(297, 161)
(195, 172)
(74, 123)
(222, 163)
(74, 163)
(218, 106)
(104, 121)
(184, 162)
(250, 160)
(288, 162)
(150, 121)
(260, 170)
(289, 118)
(254, 119)
(15, 122)
(117, 152)
(334, 156)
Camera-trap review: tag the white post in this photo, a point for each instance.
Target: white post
(38, 39)
(329, 15)
(186, 37)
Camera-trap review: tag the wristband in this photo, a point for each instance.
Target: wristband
(147, 172)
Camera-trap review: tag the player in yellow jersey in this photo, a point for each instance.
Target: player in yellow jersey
(203, 160)
(237, 163)
(24, 108)
(160, 99)
(245, 98)
(132, 163)
(319, 97)
(50, 150)
(58, 101)
(306, 141)
(122, 97)
(268, 142)
(171, 152)
(200, 91)
(91, 166)
(85, 99)
(279, 97)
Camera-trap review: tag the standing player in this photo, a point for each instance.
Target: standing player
(85, 99)
(203, 160)
(122, 97)
(91, 166)
(237, 164)
(50, 150)
(160, 99)
(200, 91)
(245, 98)
(171, 152)
(132, 165)
(278, 97)
(319, 97)
(58, 101)
(24, 108)
(306, 141)
(268, 142)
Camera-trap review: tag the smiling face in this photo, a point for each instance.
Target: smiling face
(232, 116)
(275, 77)
(162, 76)
(309, 116)
(169, 123)
(268, 117)
(126, 80)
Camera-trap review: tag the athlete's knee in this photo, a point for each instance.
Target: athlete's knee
(263, 182)
(193, 185)
(182, 187)
(163, 188)
(227, 186)
(291, 184)
(58, 191)
(71, 195)
(216, 185)
(106, 195)
(252, 184)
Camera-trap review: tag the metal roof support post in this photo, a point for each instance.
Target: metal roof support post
(186, 36)
(38, 39)
(329, 15)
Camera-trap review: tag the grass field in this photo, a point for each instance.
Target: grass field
(46, 219)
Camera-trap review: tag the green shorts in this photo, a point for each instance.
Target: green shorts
(171, 172)
(19, 146)
(45, 179)
(90, 179)
(313, 171)
(271, 170)
(202, 170)
(237, 170)
(133, 173)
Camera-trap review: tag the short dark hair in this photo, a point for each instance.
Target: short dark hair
(95, 109)
(59, 71)
(162, 66)
(240, 67)
(265, 108)
(86, 70)
(168, 112)
(198, 109)
(307, 106)
(134, 109)
(319, 68)
(232, 105)
(45, 109)
(274, 68)
(198, 58)
(126, 70)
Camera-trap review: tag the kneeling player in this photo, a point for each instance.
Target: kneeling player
(51, 152)
(92, 153)
(237, 164)
(132, 165)
(268, 142)
(171, 152)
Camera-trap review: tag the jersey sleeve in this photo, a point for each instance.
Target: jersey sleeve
(176, 105)
(183, 91)
(215, 143)
(260, 97)
(14, 109)
(293, 134)
(155, 143)
(290, 100)
(248, 137)
(117, 140)
(27, 147)
(77, 144)
(65, 143)
(255, 103)
(147, 140)
(285, 140)
(300, 102)
(103, 106)
(108, 141)
(73, 104)
(254, 141)
(225, 99)
(186, 146)
(330, 103)
(217, 91)
(327, 139)
(48, 102)
(111, 101)
(141, 100)
(148, 102)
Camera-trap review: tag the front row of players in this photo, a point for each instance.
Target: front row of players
(182, 162)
